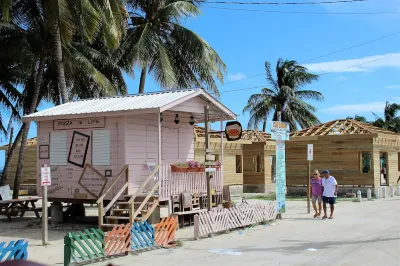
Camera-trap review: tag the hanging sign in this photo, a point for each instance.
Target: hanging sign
(79, 123)
(280, 130)
(310, 152)
(233, 130)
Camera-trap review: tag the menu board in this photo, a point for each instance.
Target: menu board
(92, 181)
(78, 149)
(44, 152)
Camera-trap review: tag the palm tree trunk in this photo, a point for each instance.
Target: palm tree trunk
(142, 79)
(60, 64)
(27, 125)
(265, 125)
(10, 155)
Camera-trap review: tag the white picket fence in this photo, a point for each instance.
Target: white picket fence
(218, 220)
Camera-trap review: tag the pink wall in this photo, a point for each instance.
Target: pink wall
(142, 144)
(134, 141)
(70, 186)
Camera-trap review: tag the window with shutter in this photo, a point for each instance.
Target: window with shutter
(101, 147)
(58, 148)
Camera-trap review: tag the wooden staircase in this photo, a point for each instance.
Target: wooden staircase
(136, 207)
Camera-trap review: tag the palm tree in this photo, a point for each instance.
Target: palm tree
(158, 44)
(390, 120)
(285, 91)
(30, 22)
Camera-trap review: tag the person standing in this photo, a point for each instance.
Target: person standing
(316, 193)
(329, 192)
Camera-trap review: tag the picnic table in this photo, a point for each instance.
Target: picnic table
(15, 207)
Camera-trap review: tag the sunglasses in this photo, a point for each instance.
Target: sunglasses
(315, 174)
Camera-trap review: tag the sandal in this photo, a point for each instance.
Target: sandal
(330, 217)
(324, 217)
(315, 215)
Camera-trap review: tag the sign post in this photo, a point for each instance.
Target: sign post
(310, 153)
(280, 133)
(45, 181)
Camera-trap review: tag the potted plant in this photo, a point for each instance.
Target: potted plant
(179, 167)
(193, 166)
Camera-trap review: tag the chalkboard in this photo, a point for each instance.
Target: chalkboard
(92, 181)
(78, 149)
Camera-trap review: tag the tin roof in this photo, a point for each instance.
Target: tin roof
(341, 127)
(156, 101)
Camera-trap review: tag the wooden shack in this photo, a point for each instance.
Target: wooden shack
(248, 163)
(28, 181)
(118, 151)
(355, 153)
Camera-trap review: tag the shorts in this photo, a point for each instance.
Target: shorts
(329, 200)
(314, 199)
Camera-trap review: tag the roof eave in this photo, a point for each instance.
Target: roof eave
(86, 115)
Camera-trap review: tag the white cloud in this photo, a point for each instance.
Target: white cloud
(237, 76)
(364, 64)
(393, 87)
(352, 109)
(342, 78)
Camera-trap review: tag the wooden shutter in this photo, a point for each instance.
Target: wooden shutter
(101, 147)
(58, 148)
(170, 143)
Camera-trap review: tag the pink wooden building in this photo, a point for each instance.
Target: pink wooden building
(104, 150)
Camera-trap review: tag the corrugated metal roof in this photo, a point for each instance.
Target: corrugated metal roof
(117, 104)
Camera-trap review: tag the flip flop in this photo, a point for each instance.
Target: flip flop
(315, 215)
(324, 217)
(331, 217)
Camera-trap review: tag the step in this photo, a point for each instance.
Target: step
(136, 203)
(117, 217)
(120, 210)
(108, 225)
(141, 196)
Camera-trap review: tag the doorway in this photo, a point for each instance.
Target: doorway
(384, 173)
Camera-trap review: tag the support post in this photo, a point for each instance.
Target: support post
(222, 153)
(207, 129)
(359, 195)
(308, 187)
(369, 194)
(44, 215)
(196, 227)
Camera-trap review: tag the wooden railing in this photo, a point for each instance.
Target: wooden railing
(172, 183)
(100, 203)
(132, 213)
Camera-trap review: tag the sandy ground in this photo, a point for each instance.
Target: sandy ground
(365, 233)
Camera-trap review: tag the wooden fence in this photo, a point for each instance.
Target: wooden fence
(94, 244)
(172, 183)
(118, 240)
(14, 250)
(83, 246)
(218, 220)
(165, 231)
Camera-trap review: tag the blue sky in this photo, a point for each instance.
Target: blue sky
(245, 40)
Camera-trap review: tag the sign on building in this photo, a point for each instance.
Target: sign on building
(233, 130)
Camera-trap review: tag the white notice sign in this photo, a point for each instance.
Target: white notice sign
(310, 152)
(209, 170)
(45, 176)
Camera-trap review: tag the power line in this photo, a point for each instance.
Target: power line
(325, 73)
(318, 57)
(284, 3)
(300, 12)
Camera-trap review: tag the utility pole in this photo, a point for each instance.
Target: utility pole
(207, 129)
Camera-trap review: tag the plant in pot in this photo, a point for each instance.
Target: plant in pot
(179, 167)
(193, 166)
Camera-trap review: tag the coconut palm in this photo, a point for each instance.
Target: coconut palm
(390, 119)
(158, 44)
(359, 118)
(89, 72)
(285, 92)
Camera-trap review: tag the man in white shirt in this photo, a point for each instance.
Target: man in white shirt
(329, 192)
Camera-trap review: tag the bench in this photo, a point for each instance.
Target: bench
(181, 215)
(15, 207)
